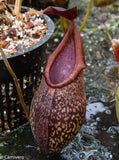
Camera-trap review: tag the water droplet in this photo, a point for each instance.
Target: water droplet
(56, 40)
(98, 119)
(88, 64)
(90, 49)
(108, 111)
(82, 156)
(111, 156)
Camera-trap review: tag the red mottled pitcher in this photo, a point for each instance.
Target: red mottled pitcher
(115, 47)
(58, 106)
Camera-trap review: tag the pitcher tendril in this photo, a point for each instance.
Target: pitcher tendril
(86, 16)
(64, 22)
(18, 88)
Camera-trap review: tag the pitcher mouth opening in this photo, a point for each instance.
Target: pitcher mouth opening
(66, 62)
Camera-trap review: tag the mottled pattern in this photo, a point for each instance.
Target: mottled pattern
(57, 114)
(39, 115)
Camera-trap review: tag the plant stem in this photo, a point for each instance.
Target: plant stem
(117, 104)
(17, 8)
(118, 69)
(109, 36)
(86, 16)
(18, 88)
(64, 24)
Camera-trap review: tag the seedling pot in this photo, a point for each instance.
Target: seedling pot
(27, 65)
